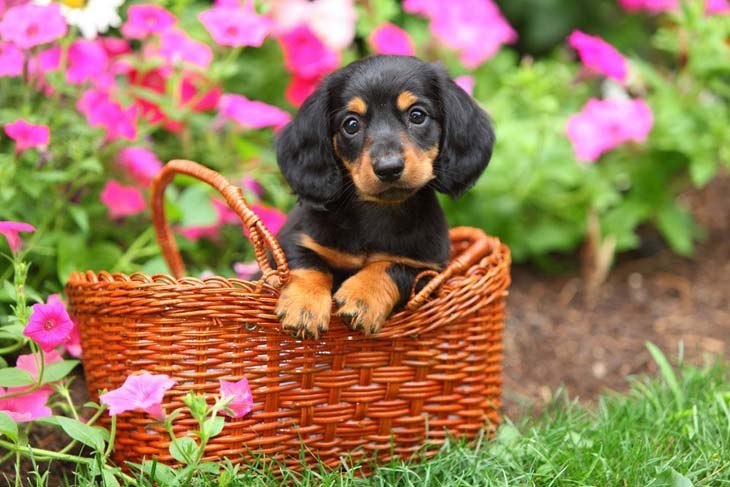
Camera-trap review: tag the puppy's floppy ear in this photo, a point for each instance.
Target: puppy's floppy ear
(305, 153)
(466, 139)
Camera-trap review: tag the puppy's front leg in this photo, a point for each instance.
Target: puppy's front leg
(305, 303)
(366, 300)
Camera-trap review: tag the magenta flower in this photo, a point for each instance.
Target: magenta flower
(30, 25)
(299, 89)
(29, 362)
(252, 188)
(603, 125)
(246, 270)
(475, 29)
(87, 61)
(10, 231)
(271, 217)
(391, 39)
(235, 26)
(121, 200)
(599, 55)
(73, 346)
(653, 6)
(27, 135)
(305, 55)
(241, 399)
(466, 83)
(144, 392)
(146, 19)
(26, 407)
(49, 324)
(11, 60)
(101, 111)
(717, 7)
(252, 114)
(332, 21)
(177, 47)
(141, 163)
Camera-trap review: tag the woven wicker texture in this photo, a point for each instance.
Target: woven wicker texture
(434, 370)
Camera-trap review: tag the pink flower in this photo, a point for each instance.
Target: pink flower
(475, 29)
(252, 114)
(27, 135)
(224, 216)
(142, 164)
(177, 47)
(87, 61)
(252, 188)
(49, 324)
(240, 26)
(599, 55)
(73, 346)
(11, 60)
(332, 21)
(603, 125)
(300, 88)
(717, 7)
(246, 270)
(102, 111)
(653, 6)
(26, 407)
(11, 229)
(241, 399)
(29, 362)
(391, 39)
(121, 200)
(146, 19)
(144, 392)
(466, 83)
(30, 25)
(305, 55)
(272, 218)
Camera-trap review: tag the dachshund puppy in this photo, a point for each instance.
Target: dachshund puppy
(365, 155)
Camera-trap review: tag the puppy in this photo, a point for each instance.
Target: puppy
(365, 155)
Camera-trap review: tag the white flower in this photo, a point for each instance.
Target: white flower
(89, 16)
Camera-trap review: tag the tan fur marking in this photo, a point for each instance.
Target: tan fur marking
(405, 100)
(357, 105)
(305, 303)
(366, 299)
(418, 163)
(395, 259)
(335, 258)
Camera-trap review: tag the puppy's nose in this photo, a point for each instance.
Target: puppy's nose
(388, 168)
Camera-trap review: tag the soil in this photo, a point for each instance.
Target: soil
(555, 337)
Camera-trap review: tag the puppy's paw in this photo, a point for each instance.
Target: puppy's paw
(305, 304)
(365, 301)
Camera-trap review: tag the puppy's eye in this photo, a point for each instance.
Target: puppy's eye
(417, 116)
(351, 125)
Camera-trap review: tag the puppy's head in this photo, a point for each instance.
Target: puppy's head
(387, 126)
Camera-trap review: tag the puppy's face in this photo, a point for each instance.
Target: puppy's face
(387, 134)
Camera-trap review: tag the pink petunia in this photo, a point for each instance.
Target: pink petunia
(246, 270)
(26, 407)
(272, 218)
(603, 125)
(101, 111)
(717, 7)
(305, 55)
(599, 55)
(29, 362)
(252, 114)
(241, 399)
(466, 83)
(10, 231)
(27, 135)
(49, 324)
(252, 188)
(475, 29)
(300, 88)
(146, 19)
(143, 391)
(73, 346)
(177, 47)
(141, 163)
(87, 61)
(30, 25)
(234, 27)
(11, 60)
(391, 39)
(332, 21)
(121, 200)
(653, 6)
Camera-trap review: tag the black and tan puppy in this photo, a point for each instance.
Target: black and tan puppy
(365, 155)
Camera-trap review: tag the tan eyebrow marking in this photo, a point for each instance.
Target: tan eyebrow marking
(357, 105)
(405, 100)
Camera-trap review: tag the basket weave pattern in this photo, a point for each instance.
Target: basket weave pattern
(434, 370)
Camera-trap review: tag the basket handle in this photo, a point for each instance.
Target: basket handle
(259, 235)
(477, 250)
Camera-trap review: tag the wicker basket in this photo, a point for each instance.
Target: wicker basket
(434, 370)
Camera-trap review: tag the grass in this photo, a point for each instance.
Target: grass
(670, 430)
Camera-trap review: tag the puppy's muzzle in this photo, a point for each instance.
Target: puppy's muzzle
(389, 168)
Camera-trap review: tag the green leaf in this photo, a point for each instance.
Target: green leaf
(58, 370)
(82, 432)
(197, 210)
(213, 426)
(160, 472)
(183, 449)
(79, 215)
(667, 372)
(108, 477)
(702, 170)
(676, 227)
(8, 426)
(15, 377)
